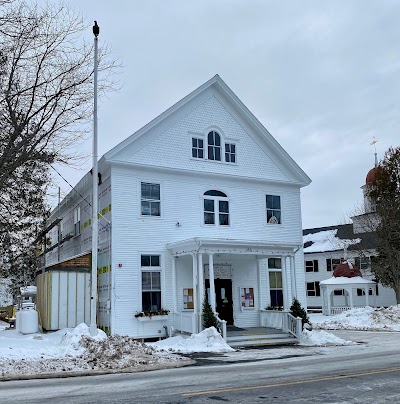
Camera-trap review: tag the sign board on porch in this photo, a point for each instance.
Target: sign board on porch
(247, 297)
(188, 298)
(221, 271)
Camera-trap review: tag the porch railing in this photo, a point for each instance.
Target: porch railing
(185, 322)
(338, 310)
(292, 325)
(281, 320)
(222, 326)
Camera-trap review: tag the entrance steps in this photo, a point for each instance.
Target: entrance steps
(277, 338)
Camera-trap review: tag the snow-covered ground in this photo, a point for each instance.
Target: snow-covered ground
(72, 351)
(367, 319)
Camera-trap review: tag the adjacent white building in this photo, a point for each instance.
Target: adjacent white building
(200, 201)
(326, 247)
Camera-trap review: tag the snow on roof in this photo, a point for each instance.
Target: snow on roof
(342, 280)
(326, 241)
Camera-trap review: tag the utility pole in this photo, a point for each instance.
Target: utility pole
(95, 223)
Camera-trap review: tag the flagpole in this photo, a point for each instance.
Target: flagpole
(95, 224)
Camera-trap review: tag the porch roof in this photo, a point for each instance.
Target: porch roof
(348, 282)
(231, 246)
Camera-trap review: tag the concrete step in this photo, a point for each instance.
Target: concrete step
(257, 336)
(261, 340)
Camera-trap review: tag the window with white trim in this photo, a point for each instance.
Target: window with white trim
(332, 263)
(150, 199)
(361, 292)
(313, 289)
(273, 205)
(362, 263)
(230, 153)
(275, 282)
(216, 208)
(151, 282)
(214, 146)
(311, 266)
(197, 148)
(77, 221)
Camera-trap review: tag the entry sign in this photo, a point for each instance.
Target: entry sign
(221, 271)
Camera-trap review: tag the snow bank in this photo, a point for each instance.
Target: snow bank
(366, 318)
(321, 338)
(208, 340)
(74, 349)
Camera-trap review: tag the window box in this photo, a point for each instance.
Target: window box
(149, 315)
(153, 318)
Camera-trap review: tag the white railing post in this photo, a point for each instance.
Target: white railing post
(299, 327)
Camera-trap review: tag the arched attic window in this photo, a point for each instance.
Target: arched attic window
(216, 205)
(214, 146)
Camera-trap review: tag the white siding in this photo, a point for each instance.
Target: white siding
(181, 201)
(172, 147)
(386, 296)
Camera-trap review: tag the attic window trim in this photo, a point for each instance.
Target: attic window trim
(224, 142)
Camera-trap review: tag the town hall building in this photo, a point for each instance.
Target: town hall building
(200, 202)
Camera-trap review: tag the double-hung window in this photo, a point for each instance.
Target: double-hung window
(362, 263)
(313, 289)
(230, 153)
(332, 263)
(273, 204)
(77, 221)
(311, 266)
(214, 146)
(151, 282)
(216, 208)
(197, 148)
(150, 199)
(275, 282)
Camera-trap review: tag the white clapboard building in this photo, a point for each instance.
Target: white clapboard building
(200, 201)
(326, 247)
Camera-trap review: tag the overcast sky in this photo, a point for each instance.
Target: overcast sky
(322, 76)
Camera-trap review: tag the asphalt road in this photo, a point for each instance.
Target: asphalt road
(367, 377)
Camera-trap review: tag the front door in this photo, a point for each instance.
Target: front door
(223, 298)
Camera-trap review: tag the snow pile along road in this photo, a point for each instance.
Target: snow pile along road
(321, 338)
(74, 350)
(366, 319)
(209, 340)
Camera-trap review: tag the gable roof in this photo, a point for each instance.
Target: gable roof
(219, 85)
(343, 232)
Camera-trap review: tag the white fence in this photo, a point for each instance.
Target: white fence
(338, 310)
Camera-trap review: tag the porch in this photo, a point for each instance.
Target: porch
(276, 328)
(234, 276)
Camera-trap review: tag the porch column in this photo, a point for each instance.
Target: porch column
(259, 283)
(367, 295)
(201, 289)
(328, 298)
(351, 297)
(195, 305)
(293, 276)
(212, 285)
(174, 283)
(284, 285)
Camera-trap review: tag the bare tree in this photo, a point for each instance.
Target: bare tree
(46, 85)
(385, 192)
(46, 93)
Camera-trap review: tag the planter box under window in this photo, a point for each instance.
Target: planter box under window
(152, 318)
